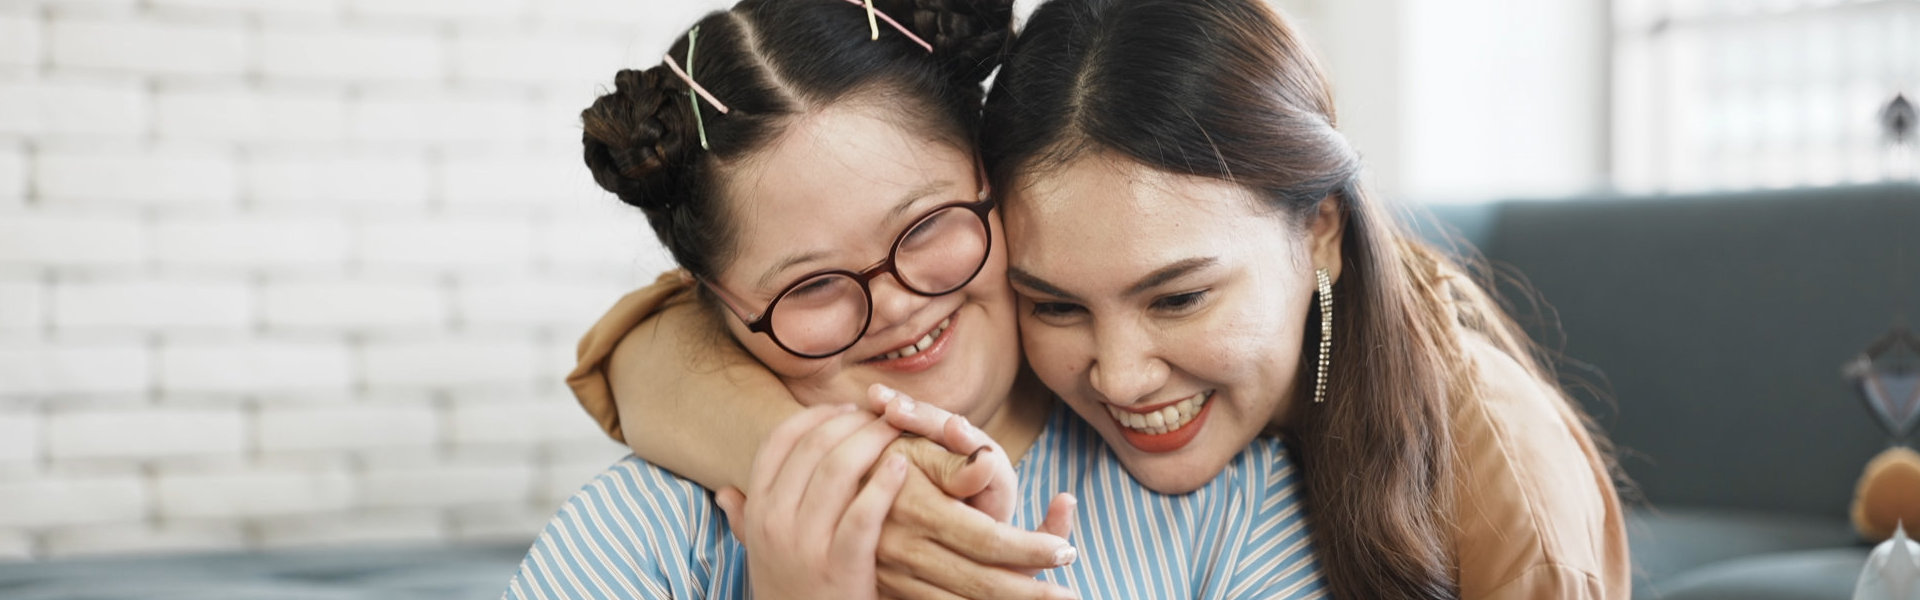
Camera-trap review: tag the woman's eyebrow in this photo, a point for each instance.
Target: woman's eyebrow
(1030, 281)
(1171, 272)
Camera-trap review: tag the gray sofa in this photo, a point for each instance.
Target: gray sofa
(1707, 335)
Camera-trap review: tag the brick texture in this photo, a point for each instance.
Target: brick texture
(280, 273)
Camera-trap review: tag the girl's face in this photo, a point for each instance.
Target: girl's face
(835, 191)
(1168, 310)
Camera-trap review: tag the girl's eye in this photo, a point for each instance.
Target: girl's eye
(1180, 302)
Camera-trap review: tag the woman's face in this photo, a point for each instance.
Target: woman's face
(1168, 310)
(835, 191)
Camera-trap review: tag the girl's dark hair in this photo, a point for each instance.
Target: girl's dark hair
(769, 60)
(1225, 89)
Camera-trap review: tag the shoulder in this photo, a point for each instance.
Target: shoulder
(1533, 495)
(635, 531)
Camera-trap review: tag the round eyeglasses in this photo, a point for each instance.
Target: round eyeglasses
(826, 312)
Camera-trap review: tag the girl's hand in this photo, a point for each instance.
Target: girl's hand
(809, 523)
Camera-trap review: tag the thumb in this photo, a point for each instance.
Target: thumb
(1060, 515)
(954, 474)
(733, 503)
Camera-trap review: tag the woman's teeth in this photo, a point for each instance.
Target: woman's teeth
(926, 341)
(1167, 419)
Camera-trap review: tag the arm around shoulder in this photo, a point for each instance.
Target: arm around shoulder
(659, 373)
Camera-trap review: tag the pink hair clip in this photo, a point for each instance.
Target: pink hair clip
(874, 26)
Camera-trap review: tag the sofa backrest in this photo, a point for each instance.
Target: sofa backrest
(1717, 327)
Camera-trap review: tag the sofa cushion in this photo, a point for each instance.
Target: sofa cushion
(1806, 575)
(1670, 542)
(1717, 327)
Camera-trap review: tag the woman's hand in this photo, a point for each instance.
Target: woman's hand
(934, 545)
(810, 526)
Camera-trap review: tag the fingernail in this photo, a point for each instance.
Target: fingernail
(1065, 556)
(884, 393)
(906, 404)
(976, 453)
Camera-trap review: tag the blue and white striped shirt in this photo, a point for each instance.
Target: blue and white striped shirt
(638, 531)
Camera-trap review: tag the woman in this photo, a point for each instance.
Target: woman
(1189, 232)
(822, 190)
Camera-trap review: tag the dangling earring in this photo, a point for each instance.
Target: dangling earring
(1326, 333)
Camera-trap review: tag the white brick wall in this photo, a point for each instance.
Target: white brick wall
(152, 304)
(71, 240)
(167, 176)
(19, 40)
(328, 53)
(149, 46)
(13, 175)
(354, 426)
(51, 368)
(19, 437)
(295, 272)
(144, 538)
(72, 107)
(354, 305)
(448, 485)
(255, 366)
(145, 432)
(56, 500)
(253, 492)
(22, 307)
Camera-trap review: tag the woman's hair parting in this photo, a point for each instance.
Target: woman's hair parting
(664, 137)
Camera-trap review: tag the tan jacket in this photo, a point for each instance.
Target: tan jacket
(1538, 515)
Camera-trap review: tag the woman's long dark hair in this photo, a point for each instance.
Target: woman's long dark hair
(1225, 89)
(769, 60)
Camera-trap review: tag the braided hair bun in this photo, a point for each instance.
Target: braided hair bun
(637, 137)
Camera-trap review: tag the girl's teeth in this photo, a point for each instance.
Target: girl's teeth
(926, 341)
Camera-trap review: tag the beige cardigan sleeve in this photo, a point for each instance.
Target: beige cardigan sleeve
(1538, 515)
(589, 376)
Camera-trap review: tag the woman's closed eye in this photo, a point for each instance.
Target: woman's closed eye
(1180, 303)
(1054, 312)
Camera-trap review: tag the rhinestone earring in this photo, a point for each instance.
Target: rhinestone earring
(1326, 333)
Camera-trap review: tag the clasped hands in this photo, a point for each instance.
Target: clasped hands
(890, 499)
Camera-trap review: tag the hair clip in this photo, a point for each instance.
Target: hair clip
(874, 25)
(693, 37)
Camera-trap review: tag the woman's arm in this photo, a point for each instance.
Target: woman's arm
(691, 401)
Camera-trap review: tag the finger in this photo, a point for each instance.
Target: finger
(979, 539)
(780, 442)
(733, 504)
(943, 570)
(902, 585)
(991, 482)
(789, 486)
(836, 478)
(932, 422)
(1059, 522)
(1060, 515)
(858, 532)
(954, 474)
